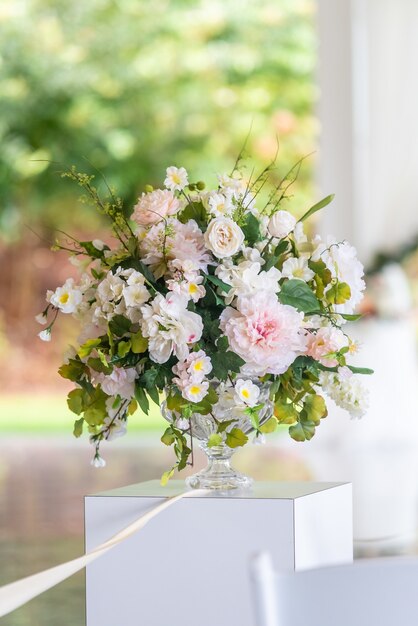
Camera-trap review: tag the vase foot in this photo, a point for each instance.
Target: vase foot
(219, 481)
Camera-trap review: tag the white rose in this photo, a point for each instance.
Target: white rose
(223, 237)
(281, 224)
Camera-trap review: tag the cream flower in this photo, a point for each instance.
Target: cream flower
(176, 178)
(154, 206)
(224, 237)
(281, 224)
(67, 298)
(121, 382)
(247, 278)
(268, 335)
(170, 327)
(297, 268)
(45, 335)
(247, 392)
(220, 204)
(347, 393)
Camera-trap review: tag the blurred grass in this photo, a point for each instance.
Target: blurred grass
(49, 415)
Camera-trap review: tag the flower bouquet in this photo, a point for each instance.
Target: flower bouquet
(216, 305)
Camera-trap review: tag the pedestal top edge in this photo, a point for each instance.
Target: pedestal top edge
(283, 490)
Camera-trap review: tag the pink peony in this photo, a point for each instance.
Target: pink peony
(154, 206)
(266, 334)
(326, 341)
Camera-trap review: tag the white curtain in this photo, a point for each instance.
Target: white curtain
(368, 109)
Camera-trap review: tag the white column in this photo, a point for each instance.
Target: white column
(367, 73)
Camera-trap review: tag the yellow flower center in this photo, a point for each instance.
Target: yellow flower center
(176, 179)
(194, 390)
(198, 366)
(298, 272)
(245, 394)
(192, 288)
(64, 298)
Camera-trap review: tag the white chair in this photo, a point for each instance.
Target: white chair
(369, 592)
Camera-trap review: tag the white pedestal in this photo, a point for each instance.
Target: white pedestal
(189, 566)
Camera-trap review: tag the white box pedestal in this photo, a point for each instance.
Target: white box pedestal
(190, 565)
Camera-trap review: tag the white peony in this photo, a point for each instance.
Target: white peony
(281, 224)
(247, 278)
(224, 237)
(170, 327)
(347, 393)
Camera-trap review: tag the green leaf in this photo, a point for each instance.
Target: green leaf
(338, 293)
(361, 370)
(143, 401)
(296, 293)
(174, 402)
(214, 440)
(168, 438)
(87, 347)
(273, 259)
(73, 370)
(317, 207)
(139, 343)
(166, 477)
(236, 438)
(218, 282)
(251, 229)
(285, 413)
(153, 394)
(78, 427)
(97, 365)
(95, 410)
(123, 348)
(315, 408)
(270, 426)
(91, 250)
(222, 426)
(75, 401)
(302, 431)
(351, 317)
(194, 211)
(225, 363)
(119, 325)
(321, 270)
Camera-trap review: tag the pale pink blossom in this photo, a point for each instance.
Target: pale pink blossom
(121, 382)
(166, 242)
(326, 341)
(154, 206)
(268, 335)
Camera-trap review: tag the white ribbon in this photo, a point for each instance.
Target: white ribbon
(14, 595)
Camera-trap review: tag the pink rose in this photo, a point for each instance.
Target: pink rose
(268, 335)
(154, 206)
(326, 341)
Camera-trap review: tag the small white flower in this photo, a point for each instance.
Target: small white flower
(98, 244)
(136, 295)
(220, 205)
(41, 318)
(98, 461)
(259, 439)
(67, 298)
(224, 237)
(195, 392)
(176, 178)
(281, 224)
(297, 268)
(45, 335)
(247, 392)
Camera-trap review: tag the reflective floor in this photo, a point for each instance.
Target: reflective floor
(42, 484)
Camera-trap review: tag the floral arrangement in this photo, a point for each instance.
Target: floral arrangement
(205, 298)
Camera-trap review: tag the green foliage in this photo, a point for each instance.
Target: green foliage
(251, 229)
(119, 325)
(338, 293)
(185, 91)
(317, 207)
(215, 440)
(299, 295)
(236, 438)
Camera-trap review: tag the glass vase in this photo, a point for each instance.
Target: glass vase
(219, 473)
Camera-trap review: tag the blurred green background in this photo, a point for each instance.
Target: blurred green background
(128, 87)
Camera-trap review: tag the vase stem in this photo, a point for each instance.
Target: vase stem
(218, 474)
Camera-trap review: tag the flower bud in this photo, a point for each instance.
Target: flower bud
(200, 185)
(148, 188)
